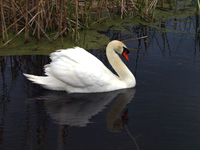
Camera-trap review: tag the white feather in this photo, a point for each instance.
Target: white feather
(77, 71)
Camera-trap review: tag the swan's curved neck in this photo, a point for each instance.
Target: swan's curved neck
(121, 69)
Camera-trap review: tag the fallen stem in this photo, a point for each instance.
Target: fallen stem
(135, 39)
(19, 31)
(132, 137)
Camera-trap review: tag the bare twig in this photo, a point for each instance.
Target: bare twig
(19, 31)
(132, 137)
(135, 39)
(41, 27)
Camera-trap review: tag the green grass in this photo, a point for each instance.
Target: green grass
(88, 38)
(93, 40)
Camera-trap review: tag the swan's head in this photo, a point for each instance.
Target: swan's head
(120, 48)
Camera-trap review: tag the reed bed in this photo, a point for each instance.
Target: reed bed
(39, 18)
(197, 6)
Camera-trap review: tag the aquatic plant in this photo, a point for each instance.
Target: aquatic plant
(57, 18)
(197, 6)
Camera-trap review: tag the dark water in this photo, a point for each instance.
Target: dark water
(163, 109)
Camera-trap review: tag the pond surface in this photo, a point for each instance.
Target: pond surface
(163, 111)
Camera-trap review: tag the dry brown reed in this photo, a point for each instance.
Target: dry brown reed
(65, 17)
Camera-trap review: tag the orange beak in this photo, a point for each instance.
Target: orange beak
(125, 53)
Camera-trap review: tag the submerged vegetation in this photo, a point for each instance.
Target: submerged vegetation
(51, 19)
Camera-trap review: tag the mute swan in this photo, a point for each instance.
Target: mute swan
(77, 71)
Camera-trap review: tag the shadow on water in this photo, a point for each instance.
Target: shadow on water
(78, 109)
(166, 65)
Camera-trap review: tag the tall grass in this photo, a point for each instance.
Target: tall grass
(65, 17)
(197, 6)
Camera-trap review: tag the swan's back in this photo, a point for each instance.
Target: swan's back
(75, 54)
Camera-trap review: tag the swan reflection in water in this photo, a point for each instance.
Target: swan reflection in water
(78, 109)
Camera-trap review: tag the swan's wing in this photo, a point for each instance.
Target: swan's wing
(78, 68)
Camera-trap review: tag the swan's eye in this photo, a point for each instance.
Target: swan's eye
(125, 50)
(125, 53)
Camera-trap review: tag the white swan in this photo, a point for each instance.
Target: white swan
(77, 71)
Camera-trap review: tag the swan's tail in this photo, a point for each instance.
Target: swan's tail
(37, 79)
(47, 82)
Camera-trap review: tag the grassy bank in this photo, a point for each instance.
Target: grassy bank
(33, 21)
